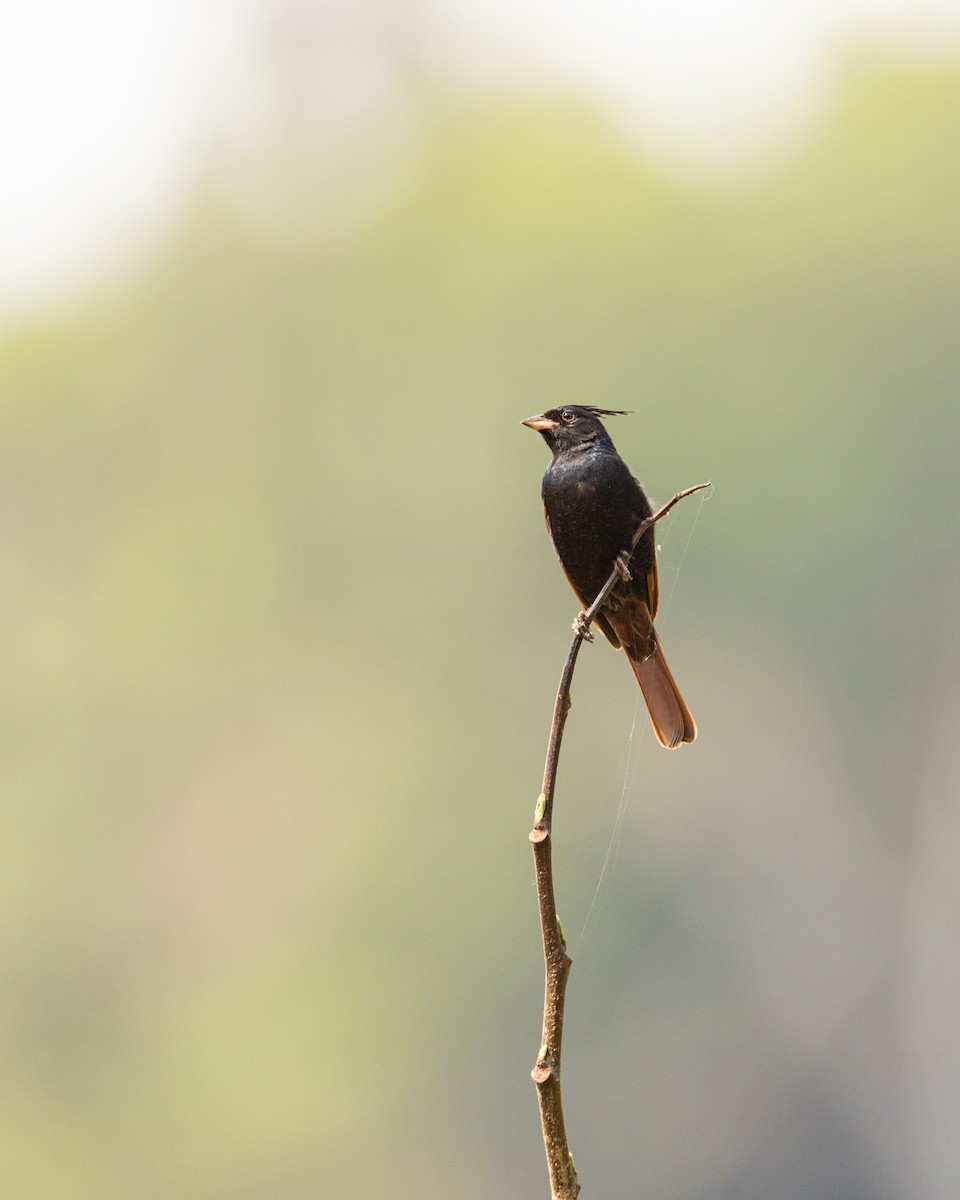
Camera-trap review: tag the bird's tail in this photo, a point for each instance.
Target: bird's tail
(673, 722)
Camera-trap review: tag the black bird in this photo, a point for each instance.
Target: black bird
(593, 506)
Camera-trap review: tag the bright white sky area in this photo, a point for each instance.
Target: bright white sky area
(107, 108)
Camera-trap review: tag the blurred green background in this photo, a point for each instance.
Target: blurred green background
(282, 628)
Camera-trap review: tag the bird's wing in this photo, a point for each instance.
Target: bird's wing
(653, 587)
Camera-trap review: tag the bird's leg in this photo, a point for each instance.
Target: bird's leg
(622, 565)
(581, 627)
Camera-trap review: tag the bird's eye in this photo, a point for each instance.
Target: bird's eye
(567, 416)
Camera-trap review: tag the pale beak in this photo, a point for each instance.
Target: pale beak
(541, 423)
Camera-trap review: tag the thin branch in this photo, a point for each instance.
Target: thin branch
(564, 1184)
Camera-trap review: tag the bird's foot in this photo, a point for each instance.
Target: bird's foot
(622, 565)
(581, 627)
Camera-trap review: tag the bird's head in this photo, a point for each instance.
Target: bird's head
(571, 426)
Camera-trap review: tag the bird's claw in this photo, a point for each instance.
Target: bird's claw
(581, 627)
(622, 565)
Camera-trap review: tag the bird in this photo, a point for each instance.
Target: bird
(593, 506)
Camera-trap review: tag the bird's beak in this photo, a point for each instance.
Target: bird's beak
(540, 424)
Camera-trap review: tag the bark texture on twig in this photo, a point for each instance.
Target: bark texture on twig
(564, 1184)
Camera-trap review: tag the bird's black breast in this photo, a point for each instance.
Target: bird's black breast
(593, 506)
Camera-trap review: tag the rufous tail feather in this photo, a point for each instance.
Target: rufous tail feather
(673, 722)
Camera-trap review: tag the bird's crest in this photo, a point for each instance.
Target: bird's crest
(607, 412)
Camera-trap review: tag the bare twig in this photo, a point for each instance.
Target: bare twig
(564, 1184)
